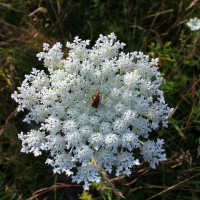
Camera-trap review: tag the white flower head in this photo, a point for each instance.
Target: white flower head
(97, 103)
(194, 24)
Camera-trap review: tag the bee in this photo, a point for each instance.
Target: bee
(96, 99)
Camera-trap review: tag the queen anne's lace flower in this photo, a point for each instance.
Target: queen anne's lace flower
(72, 130)
(194, 24)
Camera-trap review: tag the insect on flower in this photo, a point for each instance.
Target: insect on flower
(96, 99)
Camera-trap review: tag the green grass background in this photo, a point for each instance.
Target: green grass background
(156, 27)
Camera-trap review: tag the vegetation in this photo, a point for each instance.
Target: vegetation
(154, 27)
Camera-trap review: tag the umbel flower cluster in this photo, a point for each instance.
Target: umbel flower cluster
(97, 104)
(194, 24)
